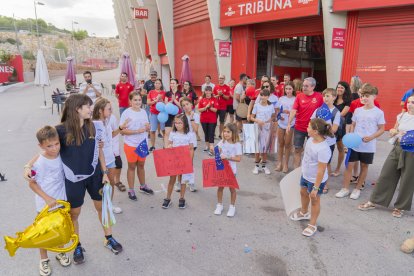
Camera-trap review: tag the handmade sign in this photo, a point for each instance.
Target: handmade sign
(215, 178)
(173, 161)
(250, 138)
(290, 188)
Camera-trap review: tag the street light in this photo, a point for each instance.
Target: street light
(73, 42)
(37, 25)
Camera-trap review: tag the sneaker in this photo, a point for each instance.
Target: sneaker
(205, 150)
(151, 149)
(192, 187)
(160, 135)
(210, 153)
(231, 211)
(44, 267)
(266, 170)
(342, 193)
(116, 210)
(219, 209)
(256, 170)
(78, 257)
(167, 203)
(132, 196)
(146, 190)
(113, 245)
(63, 259)
(181, 203)
(355, 194)
(177, 187)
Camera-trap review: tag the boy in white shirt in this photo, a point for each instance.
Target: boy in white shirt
(48, 182)
(369, 123)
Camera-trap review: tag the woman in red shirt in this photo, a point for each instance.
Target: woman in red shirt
(155, 96)
(208, 118)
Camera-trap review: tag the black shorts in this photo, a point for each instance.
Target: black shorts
(221, 114)
(230, 109)
(332, 151)
(170, 120)
(75, 192)
(299, 138)
(239, 119)
(363, 157)
(118, 162)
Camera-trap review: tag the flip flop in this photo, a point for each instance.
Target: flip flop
(120, 186)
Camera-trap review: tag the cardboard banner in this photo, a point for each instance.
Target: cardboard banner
(214, 178)
(250, 138)
(290, 188)
(173, 161)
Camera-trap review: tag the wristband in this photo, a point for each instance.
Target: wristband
(105, 171)
(315, 188)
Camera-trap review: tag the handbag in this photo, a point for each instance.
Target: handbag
(241, 110)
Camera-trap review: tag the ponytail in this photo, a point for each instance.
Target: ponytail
(322, 127)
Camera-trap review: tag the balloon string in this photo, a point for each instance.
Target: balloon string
(108, 217)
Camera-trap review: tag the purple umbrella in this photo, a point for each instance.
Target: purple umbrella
(126, 66)
(70, 75)
(185, 71)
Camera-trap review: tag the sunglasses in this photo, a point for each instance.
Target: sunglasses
(266, 86)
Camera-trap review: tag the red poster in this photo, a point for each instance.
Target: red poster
(173, 161)
(214, 178)
(349, 5)
(338, 38)
(224, 49)
(243, 12)
(140, 13)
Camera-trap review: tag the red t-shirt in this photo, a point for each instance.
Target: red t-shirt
(123, 90)
(230, 100)
(280, 90)
(178, 96)
(152, 95)
(357, 104)
(225, 89)
(208, 116)
(305, 106)
(252, 93)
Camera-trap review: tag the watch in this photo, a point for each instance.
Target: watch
(105, 171)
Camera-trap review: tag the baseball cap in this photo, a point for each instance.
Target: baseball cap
(154, 73)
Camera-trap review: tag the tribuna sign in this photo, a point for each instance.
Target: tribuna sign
(263, 6)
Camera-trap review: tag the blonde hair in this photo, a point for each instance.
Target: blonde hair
(234, 132)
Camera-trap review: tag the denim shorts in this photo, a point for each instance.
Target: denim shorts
(309, 185)
(299, 138)
(154, 122)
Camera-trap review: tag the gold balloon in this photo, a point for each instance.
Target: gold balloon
(49, 231)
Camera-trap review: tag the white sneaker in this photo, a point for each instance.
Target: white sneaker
(116, 210)
(63, 259)
(266, 170)
(342, 193)
(355, 194)
(177, 187)
(232, 211)
(219, 209)
(44, 268)
(192, 187)
(256, 170)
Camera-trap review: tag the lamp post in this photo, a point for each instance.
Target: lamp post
(73, 43)
(37, 25)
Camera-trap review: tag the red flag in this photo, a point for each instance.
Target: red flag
(214, 178)
(173, 161)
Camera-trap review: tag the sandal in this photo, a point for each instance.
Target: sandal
(120, 186)
(300, 216)
(354, 179)
(366, 206)
(397, 213)
(310, 230)
(325, 191)
(335, 174)
(408, 246)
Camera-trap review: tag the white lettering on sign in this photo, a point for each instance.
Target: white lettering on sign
(261, 6)
(6, 69)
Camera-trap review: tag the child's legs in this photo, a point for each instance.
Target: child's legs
(141, 172)
(182, 190)
(362, 175)
(153, 127)
(167, 135)
(180, 177)
(43, 253)
(233, 196)
(264, 157)
(304, 198)
(220, 194)
(257, 157)
(341, 156)
(315, 209)
(356, 168)
(171, 183)
(288, 140)
(280, 144)
(348, 174)
(74, 215)
(111, 176)
(98, 208)
(131, 174)
(117, 175)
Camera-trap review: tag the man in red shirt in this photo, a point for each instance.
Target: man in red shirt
(305, 104)
(122, 90)
(221, 92)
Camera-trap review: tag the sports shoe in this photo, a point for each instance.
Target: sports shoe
(355, 194)
(177, 187)
(44, 267)
(231, 211)
(167, 203)
(266, 170)
(116, 209)
(63, 259)
(151, 149)
(192, 187)
(256, 170)
(146, 190)
(342, 193)
(113, 245)
(181, 203)
(78, 257)
(219, 209)
(205, 150)
(132, 196)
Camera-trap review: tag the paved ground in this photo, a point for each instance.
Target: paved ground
(194, 241)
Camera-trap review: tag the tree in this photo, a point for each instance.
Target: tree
(80, 35)
(28, 55)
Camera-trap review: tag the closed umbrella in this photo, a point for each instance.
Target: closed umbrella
(128, 68)
(70, 75)
(185, 71)
(42, 75)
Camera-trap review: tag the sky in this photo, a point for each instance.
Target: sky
(95, 16)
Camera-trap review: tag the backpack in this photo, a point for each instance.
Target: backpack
(341, 128)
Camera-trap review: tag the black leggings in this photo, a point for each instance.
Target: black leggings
(209, 129)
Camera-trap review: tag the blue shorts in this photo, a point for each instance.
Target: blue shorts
(154, 122)
(309, 185)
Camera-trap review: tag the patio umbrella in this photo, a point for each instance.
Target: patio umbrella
(140, 69)
(42, 75)
(185, 71)
(128, 68)
(70, 75)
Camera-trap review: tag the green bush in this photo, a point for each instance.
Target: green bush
(28, 55)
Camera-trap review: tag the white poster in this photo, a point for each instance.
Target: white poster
(250, 138)
(290, 188)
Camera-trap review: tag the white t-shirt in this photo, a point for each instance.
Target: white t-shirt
(137, 120)
(336, 121)
(51, 179)
(238, 90)
(315, 153)
(230, 150)
(113, 122)
(406, 122)
(107, 139)
(273, 99)
(196, 118)
(263, 112)
(203, 87)
(91, 93)
(287, 104)
(180, 139)
(366, 124)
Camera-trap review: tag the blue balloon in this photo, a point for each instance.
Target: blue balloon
(162, 117)
(351, 140)
(175, 111)
(160, 107)
(170, 109)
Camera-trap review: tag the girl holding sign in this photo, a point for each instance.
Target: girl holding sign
(135, 132)
(230, 149)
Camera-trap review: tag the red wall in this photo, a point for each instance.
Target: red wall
(17, 63)
(243, 52)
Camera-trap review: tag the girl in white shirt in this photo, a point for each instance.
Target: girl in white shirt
(314, 173)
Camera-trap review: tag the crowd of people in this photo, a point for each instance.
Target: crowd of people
(83, 151)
